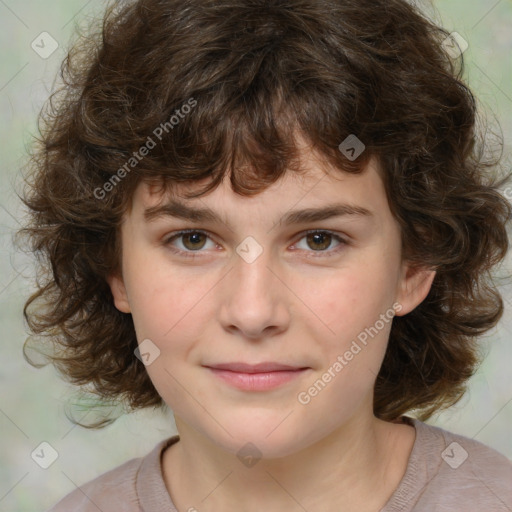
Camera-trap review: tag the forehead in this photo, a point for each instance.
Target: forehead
(317, 183)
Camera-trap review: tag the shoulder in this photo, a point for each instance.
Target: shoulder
(116, 490)
(458, 473)
(113, 490)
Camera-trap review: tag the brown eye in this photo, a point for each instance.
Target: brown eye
(320, 239)
(320, 243)
(194, 240)
(186, 243)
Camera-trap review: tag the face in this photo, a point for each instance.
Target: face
(309, 298)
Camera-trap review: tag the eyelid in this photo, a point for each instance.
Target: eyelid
(343, 241)
(177, 234)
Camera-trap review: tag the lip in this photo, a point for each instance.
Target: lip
(264, 367)
(256, 377)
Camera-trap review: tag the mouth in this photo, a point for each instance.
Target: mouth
(257, 377)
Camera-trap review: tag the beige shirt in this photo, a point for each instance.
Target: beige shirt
(445, 473)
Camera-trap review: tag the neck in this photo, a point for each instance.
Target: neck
(356, 467)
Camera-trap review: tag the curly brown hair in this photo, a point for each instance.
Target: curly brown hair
(256, 71)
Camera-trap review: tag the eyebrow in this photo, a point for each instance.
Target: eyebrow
(182, 211)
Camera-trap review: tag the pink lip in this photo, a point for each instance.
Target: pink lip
(254, 368)
(258, 377)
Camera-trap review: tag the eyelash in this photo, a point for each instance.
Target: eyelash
(195, 254)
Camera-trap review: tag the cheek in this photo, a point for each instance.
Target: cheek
(348, 300)
(351, 355)
(351, 303)
(164, 299)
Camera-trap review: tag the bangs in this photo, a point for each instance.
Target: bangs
(254, 136)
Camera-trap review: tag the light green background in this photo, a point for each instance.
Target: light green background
(31, 401)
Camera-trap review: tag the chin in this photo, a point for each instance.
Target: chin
(267, 437)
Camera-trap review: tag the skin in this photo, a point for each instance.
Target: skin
(330, 454)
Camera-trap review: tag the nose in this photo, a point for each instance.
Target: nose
(256, 299)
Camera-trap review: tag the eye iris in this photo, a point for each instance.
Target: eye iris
(316, 238)
(196, 238)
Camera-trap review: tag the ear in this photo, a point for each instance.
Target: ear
(414, 286)
(118, 290)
